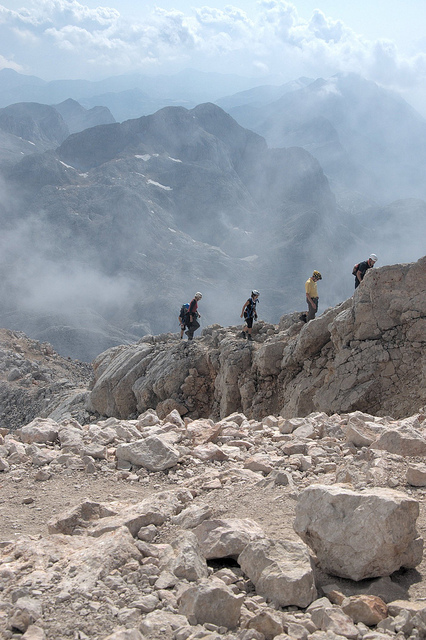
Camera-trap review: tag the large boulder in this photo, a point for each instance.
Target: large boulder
(227, 537)
(281, 571)
(359, 534)
(40, 430)
(211, 601)
(152, 453)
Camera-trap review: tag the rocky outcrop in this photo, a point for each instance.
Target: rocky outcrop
(36, 381)
(366, 354)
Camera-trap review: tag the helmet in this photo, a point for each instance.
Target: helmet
(186, 305)
(255, 292)
(373, 257)
(198, 295)
(317, 275)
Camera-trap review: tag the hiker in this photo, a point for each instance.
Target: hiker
(250, 314)
(193, 314)
(361, 269)
(312, 294)
(183, 318)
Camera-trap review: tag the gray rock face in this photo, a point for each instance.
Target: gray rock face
(38, 123)
(356, 356)
(358, 535)
(47, 384)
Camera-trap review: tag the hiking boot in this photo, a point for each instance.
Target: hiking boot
(243, 334)
(249, 338)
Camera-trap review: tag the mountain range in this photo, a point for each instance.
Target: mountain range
(127, 96)
(367, 139)
(108, 227)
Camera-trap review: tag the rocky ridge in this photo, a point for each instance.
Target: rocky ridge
(365, 354)
(36, 381)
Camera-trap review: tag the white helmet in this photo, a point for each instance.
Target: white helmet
(198, 295)
(255, 292)
(373, 257)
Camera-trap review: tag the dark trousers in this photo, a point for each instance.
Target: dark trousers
(312, 309)
(192, 327)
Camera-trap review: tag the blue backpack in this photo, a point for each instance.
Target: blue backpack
(184, 310)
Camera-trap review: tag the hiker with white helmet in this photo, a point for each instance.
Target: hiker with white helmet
(312, 294)
(361, 269)
(250, 314)
(193, 314)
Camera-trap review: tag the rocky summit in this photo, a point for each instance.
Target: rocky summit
(221, 489)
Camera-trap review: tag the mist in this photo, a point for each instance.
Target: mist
(106, 236)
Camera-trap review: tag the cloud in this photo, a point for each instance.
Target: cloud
(7, 63)
(275, 39)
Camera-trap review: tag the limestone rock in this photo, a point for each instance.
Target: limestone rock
(227, 537)
(25, 612)
(363, 608)
(211, 601)
(126, 634)
(404, 442)
(267, 622)
(335, 620)
(192, 516)
(152, 453)
(162, 622)
(39, 430)
(280, 570)
(34, 633)
(359, 534)
(188, 564)
(416, 475)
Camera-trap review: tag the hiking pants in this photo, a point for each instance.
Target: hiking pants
(312, 309)
(192, 328)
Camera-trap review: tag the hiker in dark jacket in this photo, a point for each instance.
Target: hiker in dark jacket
(250, 314)
(363, 268)
(193, 314)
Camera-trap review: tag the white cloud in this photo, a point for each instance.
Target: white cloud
(275, 39)
(9, 64)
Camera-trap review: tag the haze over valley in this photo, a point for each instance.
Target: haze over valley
(108, 229)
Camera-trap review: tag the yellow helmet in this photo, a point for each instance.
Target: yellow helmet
(317, 275)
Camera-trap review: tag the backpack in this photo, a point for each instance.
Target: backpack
(183, 310)
(355, 269)
(250, 309)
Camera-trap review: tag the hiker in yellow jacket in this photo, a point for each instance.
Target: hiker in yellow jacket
(312, 294)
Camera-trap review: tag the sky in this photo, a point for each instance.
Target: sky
(382, 40)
